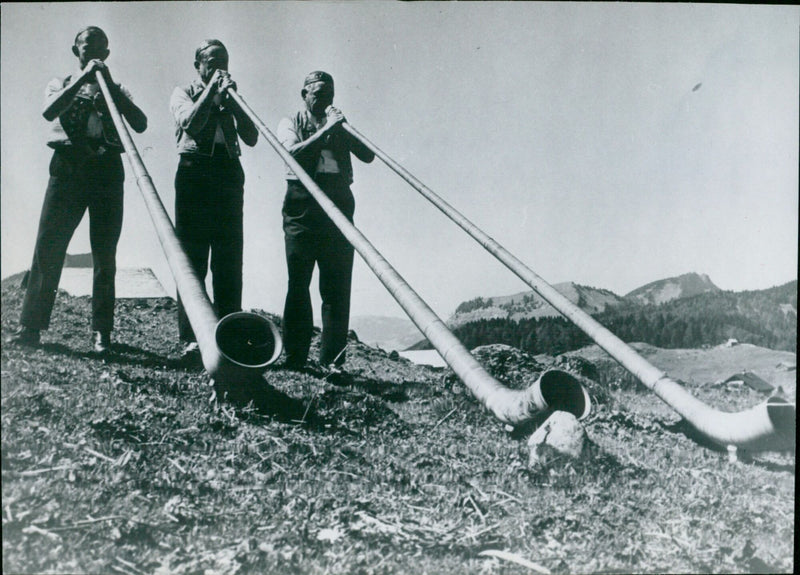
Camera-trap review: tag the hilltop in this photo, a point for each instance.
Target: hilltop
(663, 291)
(529, 304)
(694, 315)
(128, 464)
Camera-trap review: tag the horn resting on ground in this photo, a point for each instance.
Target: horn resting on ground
(558, 390)
(768, 426)
(235, 349)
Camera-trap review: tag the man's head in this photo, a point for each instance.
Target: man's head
(211, 55)
(318, 92)
(91, 43)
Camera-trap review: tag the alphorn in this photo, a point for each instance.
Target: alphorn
(236, 348)
(555, 389)
(768, 426)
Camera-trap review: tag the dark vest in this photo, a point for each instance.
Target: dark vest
(338, 144)
(74, 120)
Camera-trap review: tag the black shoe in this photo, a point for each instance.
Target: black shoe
(101, 342)
(25, 335)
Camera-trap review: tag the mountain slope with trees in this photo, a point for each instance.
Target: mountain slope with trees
(767, 318)
(529, 304)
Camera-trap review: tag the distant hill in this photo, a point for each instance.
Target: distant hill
(766, 318)
(529, 304)
(388, 333)
(663, 291)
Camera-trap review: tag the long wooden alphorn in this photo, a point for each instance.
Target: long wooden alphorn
(768, 426)
(236, 348)
(557, 390)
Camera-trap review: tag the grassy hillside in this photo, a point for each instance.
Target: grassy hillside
(126, 464)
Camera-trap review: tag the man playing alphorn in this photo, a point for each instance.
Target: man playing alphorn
(209, 184)
(86, 172)
(315, 138)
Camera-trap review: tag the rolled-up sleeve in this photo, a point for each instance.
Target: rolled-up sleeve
(54, 86)
(182, 107)
(287, 133)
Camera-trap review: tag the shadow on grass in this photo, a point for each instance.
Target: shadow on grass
(525, 429)
(258, 399)
(124, 354)
(377, 388)
(251, 399)
(769, 465)
(334, 409)
(387, 391)
(685, 428)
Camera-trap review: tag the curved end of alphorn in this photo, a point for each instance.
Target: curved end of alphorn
(245, 344)
(559, 390)
(783, 416)
(769, 426)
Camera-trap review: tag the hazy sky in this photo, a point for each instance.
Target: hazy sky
(573, 134)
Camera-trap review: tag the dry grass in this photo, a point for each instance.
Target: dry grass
(123, 465)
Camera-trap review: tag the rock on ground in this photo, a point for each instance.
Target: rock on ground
(560, 436)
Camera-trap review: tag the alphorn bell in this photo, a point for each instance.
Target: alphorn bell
(768, 426)
(555, 389)
(235, 349)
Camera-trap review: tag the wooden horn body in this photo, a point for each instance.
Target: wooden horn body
(235, 349)
(768, 426)
(560, 390)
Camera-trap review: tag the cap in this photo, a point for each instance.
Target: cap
(318, 76)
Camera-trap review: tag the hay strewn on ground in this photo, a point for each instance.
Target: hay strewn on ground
(124, 465)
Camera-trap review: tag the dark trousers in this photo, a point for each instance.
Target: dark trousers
(312, 239)
(209, 194)
(77, 183)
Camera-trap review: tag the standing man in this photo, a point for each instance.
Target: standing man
(209, 184)
(86, 172)
(315, 138)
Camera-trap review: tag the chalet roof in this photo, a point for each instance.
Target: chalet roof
(752, 380)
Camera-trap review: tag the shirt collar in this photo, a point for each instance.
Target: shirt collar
(75, 75)
(313, 119)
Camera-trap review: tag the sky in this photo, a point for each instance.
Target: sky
(608, 144)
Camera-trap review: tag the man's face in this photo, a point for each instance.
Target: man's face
(211, 59)
(318, 96)
(91, 45)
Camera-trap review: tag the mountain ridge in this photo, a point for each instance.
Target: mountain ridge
(686, 311)
(666, 290)
(529, 304)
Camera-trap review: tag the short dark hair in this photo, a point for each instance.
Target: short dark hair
(206, 44)
(318, 76)
(90, 30)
